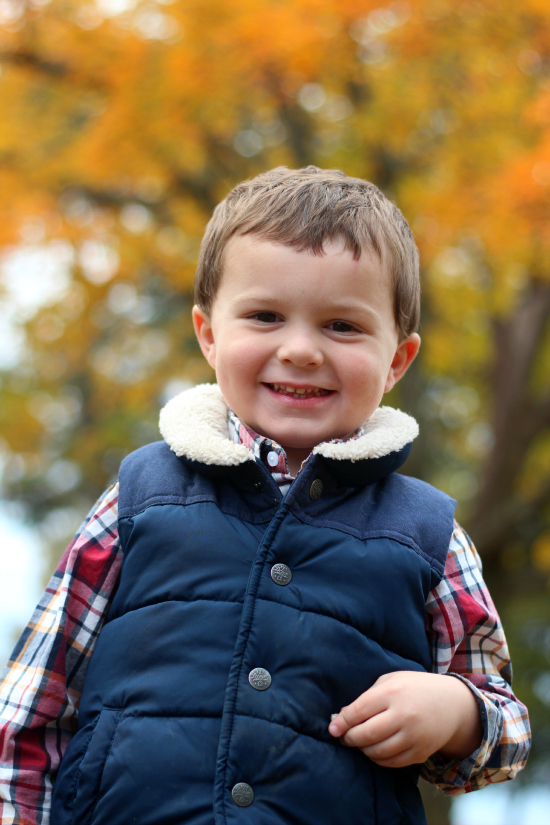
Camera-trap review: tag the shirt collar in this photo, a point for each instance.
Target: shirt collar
(264, 449)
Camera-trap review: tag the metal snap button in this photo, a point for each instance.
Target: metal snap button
(258, 486)
(242, 794)
(316, 490)
(281, 574)
(259, 678)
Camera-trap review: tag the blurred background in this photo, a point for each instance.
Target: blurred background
(123, 123)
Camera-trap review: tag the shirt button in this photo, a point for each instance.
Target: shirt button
(259, 678)
(281, 574)
(272, 458)
(316, 489)
(242, 794)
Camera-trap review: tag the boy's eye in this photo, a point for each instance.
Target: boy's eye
(342, 326)
(265, 317)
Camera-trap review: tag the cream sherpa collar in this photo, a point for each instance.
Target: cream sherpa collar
(194, 425)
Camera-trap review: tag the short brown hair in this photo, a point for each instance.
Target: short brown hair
(303, 208)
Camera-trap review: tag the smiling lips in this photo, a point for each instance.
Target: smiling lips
(299, 392)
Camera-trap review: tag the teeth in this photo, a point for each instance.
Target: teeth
(299, 391)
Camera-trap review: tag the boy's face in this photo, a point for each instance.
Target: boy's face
(304, 346)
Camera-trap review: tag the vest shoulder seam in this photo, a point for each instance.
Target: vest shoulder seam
(153, 501)
(406, 541)
(160, 501)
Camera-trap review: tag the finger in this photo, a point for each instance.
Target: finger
(387, 748)
(370, 703)
(399, 760)
(375, 730)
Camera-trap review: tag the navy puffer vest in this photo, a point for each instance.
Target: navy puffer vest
(211, 686)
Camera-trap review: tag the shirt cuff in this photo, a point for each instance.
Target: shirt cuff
(456, 777)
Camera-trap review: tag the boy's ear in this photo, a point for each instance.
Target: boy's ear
(205, 335)
(405, 354)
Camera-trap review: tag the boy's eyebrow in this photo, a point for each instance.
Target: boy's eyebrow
(345, 305)
(353, 306)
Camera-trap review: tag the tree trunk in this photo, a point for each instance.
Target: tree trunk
(519, 417)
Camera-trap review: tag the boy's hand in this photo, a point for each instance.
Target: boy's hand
(407, 716)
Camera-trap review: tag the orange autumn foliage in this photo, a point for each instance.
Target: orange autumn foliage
(123, 122)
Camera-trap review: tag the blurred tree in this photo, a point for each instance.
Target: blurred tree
(125, 121)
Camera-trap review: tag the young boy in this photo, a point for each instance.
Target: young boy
(283, 629)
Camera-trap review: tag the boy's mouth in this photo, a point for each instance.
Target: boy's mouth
(299, 392)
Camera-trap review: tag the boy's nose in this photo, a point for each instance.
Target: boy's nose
(300, 350)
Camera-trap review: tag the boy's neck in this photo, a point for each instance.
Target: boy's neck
(295, 459)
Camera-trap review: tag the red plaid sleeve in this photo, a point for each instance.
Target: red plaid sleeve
(467, 641)
(41, 686)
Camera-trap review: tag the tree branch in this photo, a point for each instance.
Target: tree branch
(33, 61)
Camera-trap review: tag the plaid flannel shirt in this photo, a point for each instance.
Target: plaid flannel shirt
(42, 684)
